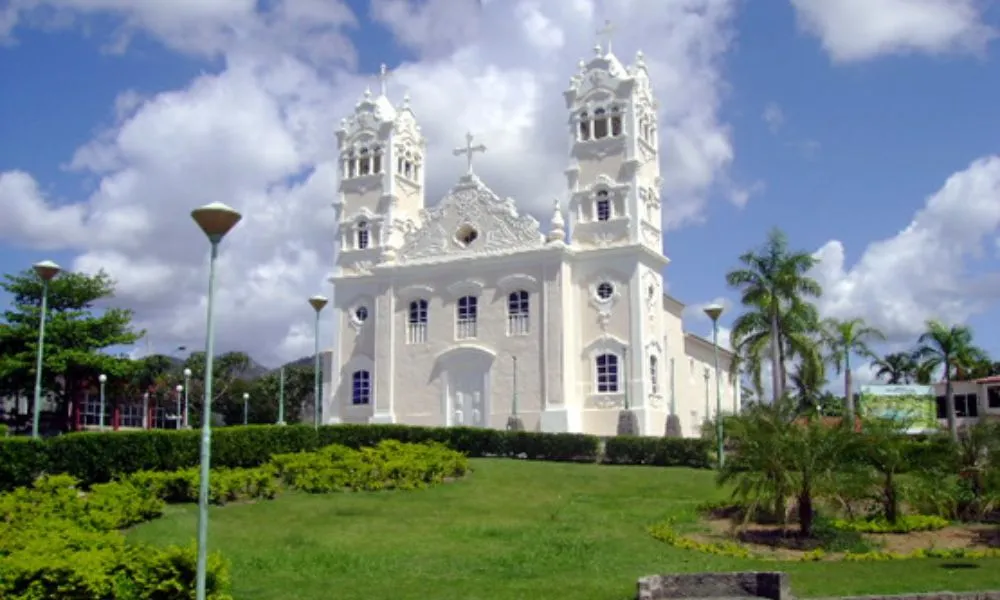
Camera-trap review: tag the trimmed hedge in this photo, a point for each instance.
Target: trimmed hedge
(660, 452)
(96, 457)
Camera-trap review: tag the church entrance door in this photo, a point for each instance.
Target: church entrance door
(468, 397)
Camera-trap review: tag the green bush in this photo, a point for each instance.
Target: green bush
(59, 542)
(389, 465)
(224, 485)
(904, 524)
(661, 452)
(101, 457)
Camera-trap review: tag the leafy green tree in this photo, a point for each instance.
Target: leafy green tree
(896, 368)
(883, 448)
(265, 393)
(229, 374)
(80, 328)
(951, 350)
(775, 287)
(808, 380)
(843, 339)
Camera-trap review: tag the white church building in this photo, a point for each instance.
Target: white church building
(469, 311)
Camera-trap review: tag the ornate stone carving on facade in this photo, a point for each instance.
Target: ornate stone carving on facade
(492, 226)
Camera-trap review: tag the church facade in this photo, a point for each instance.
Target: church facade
(469, 312)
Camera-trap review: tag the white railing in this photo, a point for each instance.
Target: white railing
(518, 324)
(416, 333)
(466, 329)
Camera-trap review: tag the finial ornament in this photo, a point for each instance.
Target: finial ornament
(469, 150)
(606, 32)
(383, 79)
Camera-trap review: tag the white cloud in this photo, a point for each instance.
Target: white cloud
(773, 116)
(922, 272)
(258, 135)
(856, 30)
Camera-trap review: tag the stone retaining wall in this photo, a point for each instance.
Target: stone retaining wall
(770, 585)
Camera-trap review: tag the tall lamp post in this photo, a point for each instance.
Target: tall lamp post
(102, 379)
(281, 397)
(317, 302)
(180, 419)
(187, 387)
(215, 220)
(46, 271)
(714, 311)
(246, 408)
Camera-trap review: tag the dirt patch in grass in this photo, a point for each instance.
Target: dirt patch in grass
(784, 543)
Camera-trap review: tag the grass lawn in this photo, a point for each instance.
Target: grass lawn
(511, 530)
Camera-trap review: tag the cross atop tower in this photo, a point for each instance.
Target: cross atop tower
(604, 35)
(469, 150)
(383, 79)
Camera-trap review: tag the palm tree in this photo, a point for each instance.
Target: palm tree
(896, 368)
(951, 349)
(773, 284)
(844, 338)
(808, 381)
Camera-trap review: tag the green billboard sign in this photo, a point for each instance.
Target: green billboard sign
(914, 405)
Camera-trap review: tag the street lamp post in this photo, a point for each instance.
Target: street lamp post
(215, 220)
(281, 397)
(145, 410)
(102, 379)
(714, 311)
(45, 270)
(317, 302)
(187, 387)
(179, 415)
(246, 408)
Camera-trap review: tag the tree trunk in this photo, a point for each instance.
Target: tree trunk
(891, 500)
(950, 403)
(805, 512)
(776, 365)
(848, 392)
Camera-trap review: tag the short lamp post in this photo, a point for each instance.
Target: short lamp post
(281, 396)
(187, 387)
(714, 311)
(317, 302)
(179, 414)
(215, 220)
(46, 271)
(246, 408)
(102, 379)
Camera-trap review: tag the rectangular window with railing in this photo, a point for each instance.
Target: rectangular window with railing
(91, 415)
(518, 313)
(416, 322)
(130, 416)
(467, 318)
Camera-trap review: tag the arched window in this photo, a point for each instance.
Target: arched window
(603, 206)
(416, 323)
(466, 317)
(351, 165)
(654, 374)
(600, 124)
(361, 388)
(606, 371)
(616, 121)
(364, 162)
(518, 311)
(364, 236)
(377, 159)
(584, 126)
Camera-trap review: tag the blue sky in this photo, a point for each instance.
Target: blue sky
(871, 126)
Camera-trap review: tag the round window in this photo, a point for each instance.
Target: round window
(605, 291)
(466, 235)
(361, 314)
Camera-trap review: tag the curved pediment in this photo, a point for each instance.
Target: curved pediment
(471, 221)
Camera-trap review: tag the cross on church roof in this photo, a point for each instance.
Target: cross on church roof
(383, 79)
(606, 32)
(469, 150)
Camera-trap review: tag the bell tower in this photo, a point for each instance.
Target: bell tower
(381, 179)
(614, 173)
